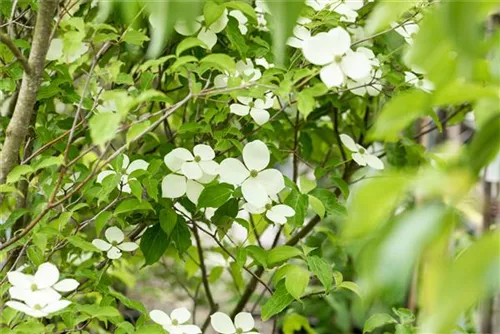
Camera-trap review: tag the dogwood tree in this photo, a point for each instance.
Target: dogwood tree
(268, 166)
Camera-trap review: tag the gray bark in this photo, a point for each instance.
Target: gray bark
(20, 121)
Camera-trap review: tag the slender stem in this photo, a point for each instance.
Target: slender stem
(17, 53)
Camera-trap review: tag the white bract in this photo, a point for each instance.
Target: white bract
(242, 20)
(300, 35)
(347, 9)
(115, 245)
(175, 323)
(423, 84)
(67, 186)
(127, 167)
(207, 35)
(257, 108)
(276, 213)
(39, 293)
(190, 172)
(332, 51)
(257, 183)
(243, 323)
(407, 30)
(244, 70)
(369, 85)
(360, 154)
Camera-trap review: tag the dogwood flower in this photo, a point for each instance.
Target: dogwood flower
(276, 213)
(263, 62)
(243, 323)
(347, 9)
(242, 20)
(319, 5)
(370, 85)
(332, 51)
(40, 309)
(127, 167)
(207, 35)
(360, 154)
(407, 30)
(190, 172)
(423, 84)
(115, 244)
(257, 183)
(175, 323)
(44, 285)
(244, 70)
(300, 35)
(257, 108)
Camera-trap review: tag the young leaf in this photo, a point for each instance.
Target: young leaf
(378, 320)
(322, 270)
(154, 242)
(277, 303)
(296, 281)
(282, 253)
(215, 196)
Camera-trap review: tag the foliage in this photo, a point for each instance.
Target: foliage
(290, 154)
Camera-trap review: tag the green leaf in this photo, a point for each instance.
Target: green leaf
(135, 37)
(181, 236)
(243, 7)
(82, 244)
(329, 200)
(485, 144)
(398, 114)
(305, 103)
(277, 303)
(103, 127)
(136, 130)
(18, 172)
(188, 43)
(100, 312)
(322, 270)
(13, 217)
(296, 281)
(101, 220)
(35, 255)
(234, 35)
(299, 203)
(285, 14)
(183, 60)
(48, 162)
(369, 208)
(154, 242)
(212, 12)
(258, 254)
(168, 220)
(220, 61)
(385, 13)
(132, 205)
(472, 276)
(351, 286)
(282, 253)
(215, 196)
(317, 206)
(377, 320)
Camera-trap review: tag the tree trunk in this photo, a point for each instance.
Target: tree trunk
(20, 121)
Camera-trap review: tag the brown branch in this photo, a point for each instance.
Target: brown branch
(19, 123)
(17, 53)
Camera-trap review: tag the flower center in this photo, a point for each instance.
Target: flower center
(362, 150)
(251, 104)
(197, 158)
(34, 287)
(254, 173)
(338, 58)
(239, 331)
(175, 322)
(269, 206)
(37, 307)
(114, 243)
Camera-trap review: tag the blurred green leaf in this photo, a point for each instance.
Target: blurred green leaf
(377, 320)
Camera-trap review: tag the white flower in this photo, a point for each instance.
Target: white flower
(39, 292)
(407, 30)
(319, 5)
(257, 108)
(263, 62)
(244, 69)
(128, 168)
(175, 324)
(115, 246)
(242, 20)
(423, 84)
(257, 184)
(360, 154)
(207, 35)
(369, 85)
(333, 50)
(194, 171)
(347, 8)
(300, 35)
(40, 309)
(275, 213)
(243, 323)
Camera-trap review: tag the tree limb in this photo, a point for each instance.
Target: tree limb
(19, 123)
(17, 53)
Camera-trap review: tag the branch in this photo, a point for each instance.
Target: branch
(17, 53)
(19, 123)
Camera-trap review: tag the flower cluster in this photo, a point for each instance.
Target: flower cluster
(114, 244)
(38, 295)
